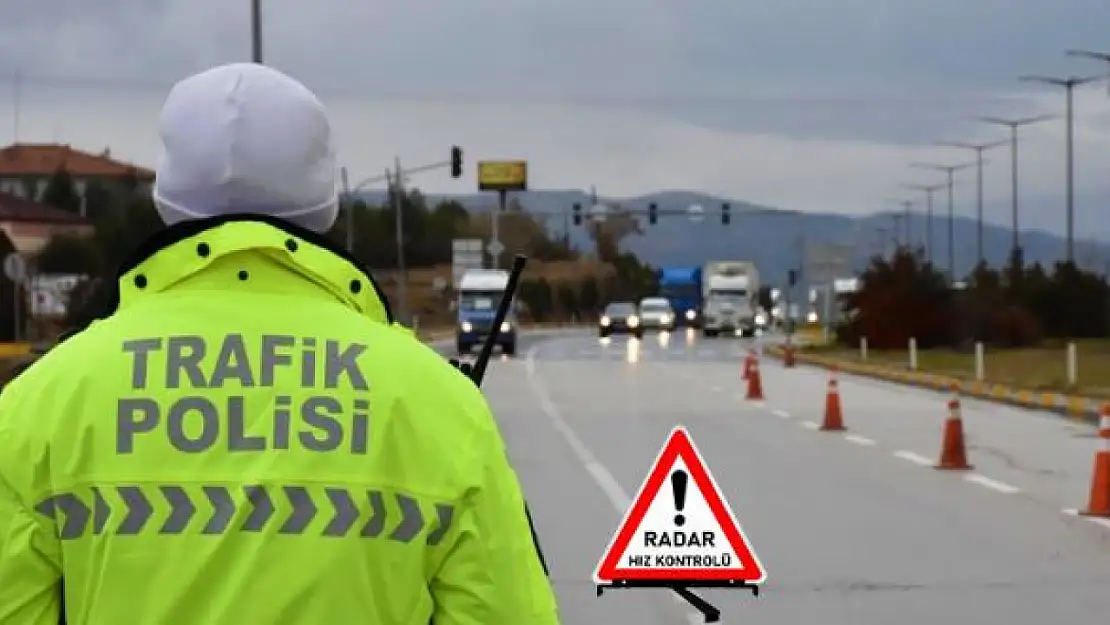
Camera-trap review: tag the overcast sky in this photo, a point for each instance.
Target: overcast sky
(806, 104)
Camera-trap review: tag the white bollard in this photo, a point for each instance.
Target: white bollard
(1073, 365)
(980, 362)
(913, 354)
(863, 348)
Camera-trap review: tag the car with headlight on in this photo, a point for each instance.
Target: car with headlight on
(620, 318)
(656, 313)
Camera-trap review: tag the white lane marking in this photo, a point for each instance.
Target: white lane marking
(602, 476)
(1094, 519)
(717, 389)
(609, 485)
(859, 440)
(759, 404)
(782, 414)
(983, 480)
(810, 425)
(914, 458)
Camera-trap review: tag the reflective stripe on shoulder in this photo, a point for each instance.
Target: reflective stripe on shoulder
(219, 509)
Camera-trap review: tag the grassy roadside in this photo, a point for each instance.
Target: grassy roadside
(1040, 369)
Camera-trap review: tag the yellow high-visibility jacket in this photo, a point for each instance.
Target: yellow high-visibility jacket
(248, 439)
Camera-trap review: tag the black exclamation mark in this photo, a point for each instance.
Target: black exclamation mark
(678, 485)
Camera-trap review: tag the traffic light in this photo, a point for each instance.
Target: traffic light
(792, 277)
(577, 214)
(456, 161)
(653, 213)
(725, 217)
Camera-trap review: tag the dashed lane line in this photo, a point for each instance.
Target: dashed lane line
(1104, 522)
(782, 414)
(859, 440)
(810, 425)
(983, 480)
(910, 456)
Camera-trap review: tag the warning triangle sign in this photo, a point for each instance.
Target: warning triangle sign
(679, 528)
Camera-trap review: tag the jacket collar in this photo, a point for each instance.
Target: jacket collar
(186, 248)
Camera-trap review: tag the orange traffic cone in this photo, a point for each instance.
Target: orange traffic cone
(1099, 504)
(953, 453)
(748, 360)
(834, 415)
(755, 382)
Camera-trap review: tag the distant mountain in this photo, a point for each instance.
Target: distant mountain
(773, 238)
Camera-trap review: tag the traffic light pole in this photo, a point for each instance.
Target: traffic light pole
(398, 217)
(395, 181)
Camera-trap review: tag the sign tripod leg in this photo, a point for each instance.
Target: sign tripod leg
(711, 614)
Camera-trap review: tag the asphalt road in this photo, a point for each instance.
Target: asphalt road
(853, 528)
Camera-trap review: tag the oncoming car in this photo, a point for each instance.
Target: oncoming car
(620, 318)
(657, 313)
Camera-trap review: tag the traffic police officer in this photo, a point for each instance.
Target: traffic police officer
(249, 437)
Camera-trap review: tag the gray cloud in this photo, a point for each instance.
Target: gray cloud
(739, 97)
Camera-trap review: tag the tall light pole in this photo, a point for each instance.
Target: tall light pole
(1013, 125)
(1069, 84)
(950, 171)
(1098, 56)
(979, 148)
(929, 189)
(256, 31)
(904, 216)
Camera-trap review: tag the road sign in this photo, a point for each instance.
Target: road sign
(826, 262)
(15, 268)
(502, 176)
(679, 529)
(495, 248)
(465, 254)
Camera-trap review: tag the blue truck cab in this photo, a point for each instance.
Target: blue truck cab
(683, 289)
(479, 293)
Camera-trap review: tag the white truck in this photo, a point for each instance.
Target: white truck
(730, 291)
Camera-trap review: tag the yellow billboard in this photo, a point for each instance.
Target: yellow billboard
(502, 175)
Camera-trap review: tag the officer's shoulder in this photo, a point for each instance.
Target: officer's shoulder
(420, 366)
(28, 397)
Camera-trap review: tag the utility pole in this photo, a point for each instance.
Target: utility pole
(950, 171)
(929, 190)
(1013, 125)
(979, 148)
(1069, 84)
(256, 31)
(900, 218)
(396, 188)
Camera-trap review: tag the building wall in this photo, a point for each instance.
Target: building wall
(30, 238)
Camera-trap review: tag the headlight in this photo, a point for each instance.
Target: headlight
(690, 314)
(760, 319)
(605, 321)
(506, 326)
(665, 319)
(466, 326)
(633, 321)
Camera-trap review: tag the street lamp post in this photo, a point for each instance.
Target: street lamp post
(950, 171)
(979, 148)
(1013, 125)
(1098, 56)
(1069, 84)
(256, 31)
(904, 216)
(929, 189)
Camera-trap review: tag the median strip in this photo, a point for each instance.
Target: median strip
(1074, 406)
